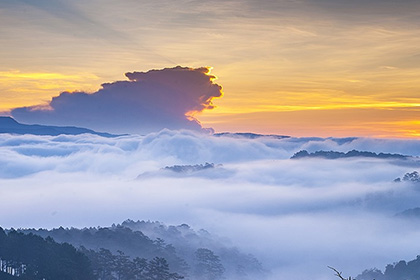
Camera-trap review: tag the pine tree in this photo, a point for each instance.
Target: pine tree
(208, 265)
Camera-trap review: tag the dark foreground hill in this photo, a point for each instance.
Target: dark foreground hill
(183, 251)
(401, 270)
(28, 256)
(9, 125)
(31, 257)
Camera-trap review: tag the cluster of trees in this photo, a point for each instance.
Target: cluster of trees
(189, 168)
(401, 270)
(187, 241)
(28, 256)
(107, 266)
(208, 265)
(413, 177)
(130, 246)
(352, 153)
(118, 238)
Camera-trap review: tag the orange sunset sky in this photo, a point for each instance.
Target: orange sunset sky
(291, 67)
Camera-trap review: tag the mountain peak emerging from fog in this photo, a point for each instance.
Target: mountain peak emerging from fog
(352, 153)
(10, 125)
(190, 168)
(249, 135)
(413, 177)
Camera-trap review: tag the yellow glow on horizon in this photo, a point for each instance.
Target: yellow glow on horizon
(406, 128)
(289, 108)
(33, 88)
(383, 120)
(38, 76)
(382, 105)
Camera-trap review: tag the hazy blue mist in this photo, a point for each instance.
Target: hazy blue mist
(296, 216)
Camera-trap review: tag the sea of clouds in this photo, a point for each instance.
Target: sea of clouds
(296, 215)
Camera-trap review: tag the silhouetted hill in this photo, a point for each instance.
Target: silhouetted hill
(206, 170)
(410, 213)
(184, 249)
(189, 168)
(401, 270)
(352, 153)
(9, 125)
(31, 257)
(413, 177)
(187, 241)
(28, 256)
(249, 135)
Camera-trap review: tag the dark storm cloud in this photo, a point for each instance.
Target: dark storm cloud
(149, 101)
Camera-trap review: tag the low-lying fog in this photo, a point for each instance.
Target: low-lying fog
(297, 216)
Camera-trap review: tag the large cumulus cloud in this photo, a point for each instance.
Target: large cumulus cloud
(149, 101)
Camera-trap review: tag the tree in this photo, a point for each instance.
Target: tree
(339, 274)
(106, 264)
(158, 269)
(32, 257)
(139, 266)
(124, 267)
(208, 265)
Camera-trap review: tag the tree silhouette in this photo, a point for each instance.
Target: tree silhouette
(339, 274)
(158, 269)
(31, 257)
(208, 265)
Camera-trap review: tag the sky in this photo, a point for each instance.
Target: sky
(290, 67)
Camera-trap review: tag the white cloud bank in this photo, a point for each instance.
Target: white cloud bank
(296, 216)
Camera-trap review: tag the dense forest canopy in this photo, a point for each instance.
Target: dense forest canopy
(141, 249)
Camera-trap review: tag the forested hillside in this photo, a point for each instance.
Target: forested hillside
(401, 270)
(28, 256)
(130, 247)
(31, 257)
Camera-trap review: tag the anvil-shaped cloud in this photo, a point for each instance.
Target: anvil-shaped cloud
(149, 101)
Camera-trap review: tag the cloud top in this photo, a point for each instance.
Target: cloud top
(148, 101)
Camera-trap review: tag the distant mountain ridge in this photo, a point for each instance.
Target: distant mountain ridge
(410, 213)
(190, 168)
(352, 153)
(10, 125)
(397, 271)
(249, 135)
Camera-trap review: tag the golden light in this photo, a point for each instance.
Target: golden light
(30, 88)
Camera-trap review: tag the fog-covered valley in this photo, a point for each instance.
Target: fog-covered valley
(296, 216)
